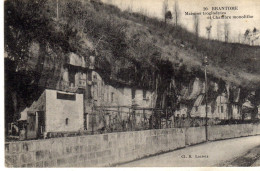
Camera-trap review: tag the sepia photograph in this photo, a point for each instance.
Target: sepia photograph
(131, 83)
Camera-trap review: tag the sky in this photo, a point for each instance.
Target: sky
(236, 26)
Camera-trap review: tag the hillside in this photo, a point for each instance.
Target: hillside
(128, 47)
(130, 40)
(235, 63)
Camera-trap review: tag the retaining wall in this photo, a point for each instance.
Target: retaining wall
(113, 148)
(195, 135)
(232, 131)
(92, 150)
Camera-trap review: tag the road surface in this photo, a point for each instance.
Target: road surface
(215, 153)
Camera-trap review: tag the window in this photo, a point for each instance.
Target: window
(95, 77)
(133, 93)
(144, 94)
(89, 76)
(64, 96)
(71, 78)
(222, 109)
(67, 121)
(196, 108)
(89, 96)
(218, 109)
(112, 97)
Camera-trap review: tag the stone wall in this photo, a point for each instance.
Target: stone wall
(195, 135)
(110, 149)
(93, 150)
(231, 131)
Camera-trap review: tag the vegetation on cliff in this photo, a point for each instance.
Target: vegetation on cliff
(130, 47)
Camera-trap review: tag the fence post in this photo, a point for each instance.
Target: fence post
(166, 119)
(92, 124)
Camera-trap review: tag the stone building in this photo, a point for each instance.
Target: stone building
(199, 107)
(222, 107)
(54, 111)
(114, 102)
(181, 111)
(101, 101)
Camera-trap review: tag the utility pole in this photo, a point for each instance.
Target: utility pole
(57, 9)
(205, 63)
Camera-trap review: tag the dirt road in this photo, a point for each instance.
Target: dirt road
(216, 153)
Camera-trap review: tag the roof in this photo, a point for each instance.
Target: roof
(247, 104)
(199, 100)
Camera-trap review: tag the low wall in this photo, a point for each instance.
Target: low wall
(92, 150)
(195, 135)
(113, 148)
(218, 132)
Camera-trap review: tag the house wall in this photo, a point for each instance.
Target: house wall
(102, 93)
(125, 96)
(201, 112)
(236, 112)
(57, 110)
(182, 112)
(80, 78)
(141, 101)
(222, 101)
(37, 105)
(65, 75)
(111, 98)
(104, 97)
(197, 87)
(125, 99)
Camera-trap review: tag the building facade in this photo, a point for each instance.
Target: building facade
(59, 112)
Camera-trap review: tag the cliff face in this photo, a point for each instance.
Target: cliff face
(174, 95)
(136, 49)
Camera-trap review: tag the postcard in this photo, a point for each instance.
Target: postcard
(131, 83)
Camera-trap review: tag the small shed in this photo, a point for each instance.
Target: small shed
(54, 111)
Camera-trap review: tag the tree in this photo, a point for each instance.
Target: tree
(130, 6)
(176, 12)
(251, 36)
(219, 33)
(246, 35)
(226, 31)
(22, 20)
(256, 35)
(239, 37)
(168, 15)
(165, 9)
(196, 26)
(29, 21)
(208, 29)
